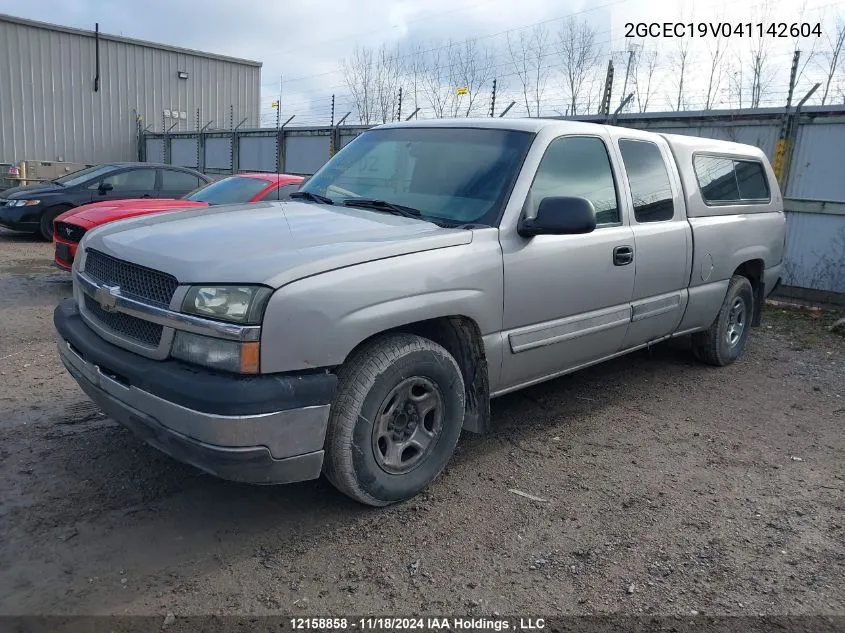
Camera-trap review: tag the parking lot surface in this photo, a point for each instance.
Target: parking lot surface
(664, 486)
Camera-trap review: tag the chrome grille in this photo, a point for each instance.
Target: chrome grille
(137, 281)
(124, 324)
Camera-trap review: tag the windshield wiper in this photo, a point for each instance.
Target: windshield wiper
(314, 197)
(447, 224)
(383, 205)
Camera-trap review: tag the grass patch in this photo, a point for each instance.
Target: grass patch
(806, 328)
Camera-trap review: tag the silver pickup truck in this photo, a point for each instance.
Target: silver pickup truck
(425, 269)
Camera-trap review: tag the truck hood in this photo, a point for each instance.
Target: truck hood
(271, 243)
(101, 212)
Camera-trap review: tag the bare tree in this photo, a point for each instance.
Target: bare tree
(715, 71)
(807, 53)
(760, 73)
(387, 74)
(679, 66)
(526, 55)
(359, 76)
(579, 57)
(736, 84)
(645, 63)
(413, 69)
(440, 79)
(831, 59)
(474, 71)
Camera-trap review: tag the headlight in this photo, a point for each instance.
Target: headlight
(234, 356)
(237, 304)
(23, 203)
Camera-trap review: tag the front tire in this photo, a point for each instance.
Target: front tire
(395, 419)
(46, 224)
(726, 338)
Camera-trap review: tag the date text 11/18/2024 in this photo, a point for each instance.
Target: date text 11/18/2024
(418, 624)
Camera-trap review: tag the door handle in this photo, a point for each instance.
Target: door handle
(623, 255)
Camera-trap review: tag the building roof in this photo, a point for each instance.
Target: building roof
(126, 40)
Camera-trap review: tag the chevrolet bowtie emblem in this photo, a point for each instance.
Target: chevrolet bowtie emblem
(107, 296)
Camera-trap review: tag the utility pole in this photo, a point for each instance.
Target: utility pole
(604, 108)
(631, 53)
(782, 145)
(279, 105)
(792, 76)
(399, 111)
(621, 107)
(786, 144)
(493, 100)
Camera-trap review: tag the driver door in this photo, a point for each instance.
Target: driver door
(568, 297)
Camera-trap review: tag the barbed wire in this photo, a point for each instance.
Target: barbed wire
(502, 60)
(729, 90)
(495, 71)
(556, 100)
(447, 45)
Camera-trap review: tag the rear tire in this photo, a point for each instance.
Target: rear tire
(47, 218)
(724, 341)
(395, 419)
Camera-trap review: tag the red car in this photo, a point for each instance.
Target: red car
(69, 227)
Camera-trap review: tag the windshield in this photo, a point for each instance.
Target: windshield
(229, 190)
(83, 175)
(455, 174)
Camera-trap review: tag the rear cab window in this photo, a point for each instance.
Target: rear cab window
(648, 180)
(731, 180)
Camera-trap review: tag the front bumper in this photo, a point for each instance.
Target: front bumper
(65, 253)
(262, 430)
(20, 218)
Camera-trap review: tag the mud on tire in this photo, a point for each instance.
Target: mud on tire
(395, 420)
(724, 341)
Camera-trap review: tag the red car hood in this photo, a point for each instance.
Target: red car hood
(98, 213)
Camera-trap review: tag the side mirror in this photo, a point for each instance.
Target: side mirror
(105, 187)
(560, 216)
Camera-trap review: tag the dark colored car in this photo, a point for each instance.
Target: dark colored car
(33, 208)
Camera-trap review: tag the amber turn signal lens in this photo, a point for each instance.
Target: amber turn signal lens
(249, 357)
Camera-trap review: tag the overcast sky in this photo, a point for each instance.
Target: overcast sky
(303, 40)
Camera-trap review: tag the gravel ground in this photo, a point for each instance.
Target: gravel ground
(668, 487)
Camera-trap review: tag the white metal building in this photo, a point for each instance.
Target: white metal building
(74, 95)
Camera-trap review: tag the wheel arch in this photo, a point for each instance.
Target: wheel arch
(52, 212)
(753, 270)
(461, 337)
